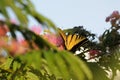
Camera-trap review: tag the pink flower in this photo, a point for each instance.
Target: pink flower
(51, 38)
(107, 19)
(114, 16)
(94, 52)
(13, 21)
(36, 29)
(59, 41)
(16, 49)
(61, 47)
(2, 43)
(3, 29)
(55, 40)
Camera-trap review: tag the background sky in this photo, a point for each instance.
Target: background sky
(69, 13)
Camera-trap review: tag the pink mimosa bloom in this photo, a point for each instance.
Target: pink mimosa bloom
(113, 18)
(94, 52)
(61, 47)
(115, 14)
(55, 40)
(2, 43)
(3, 29)
(36, 29)
(16, 49)
(59, 41)
(13, 21)
(107, 19)
(51, 38)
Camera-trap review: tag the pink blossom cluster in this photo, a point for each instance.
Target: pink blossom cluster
(94, 52)
(20, 45)
(54, 39)
(36, 29)
(13, 46)
(113, 18)
(3, 29)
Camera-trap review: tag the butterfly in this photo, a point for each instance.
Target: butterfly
(72, 41)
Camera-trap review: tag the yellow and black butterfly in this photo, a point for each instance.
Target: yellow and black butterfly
(72, 41)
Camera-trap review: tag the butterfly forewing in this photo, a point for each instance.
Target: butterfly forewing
(62, 34)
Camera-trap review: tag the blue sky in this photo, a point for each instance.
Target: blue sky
(69, 13)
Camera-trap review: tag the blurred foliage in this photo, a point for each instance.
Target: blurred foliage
(43, 61)
(44, 65)
(23, 9)
(111, 63)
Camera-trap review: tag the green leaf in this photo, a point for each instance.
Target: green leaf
(31, 76)
(20, 15)
(40, 18)
(16, 65)
(63, 67)
(7, 64)
(61, 62)
(32, 58)
(98, 72)
(77, 67)
(50, 58)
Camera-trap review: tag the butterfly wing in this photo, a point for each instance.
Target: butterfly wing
(72, 40)
(62, 34)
